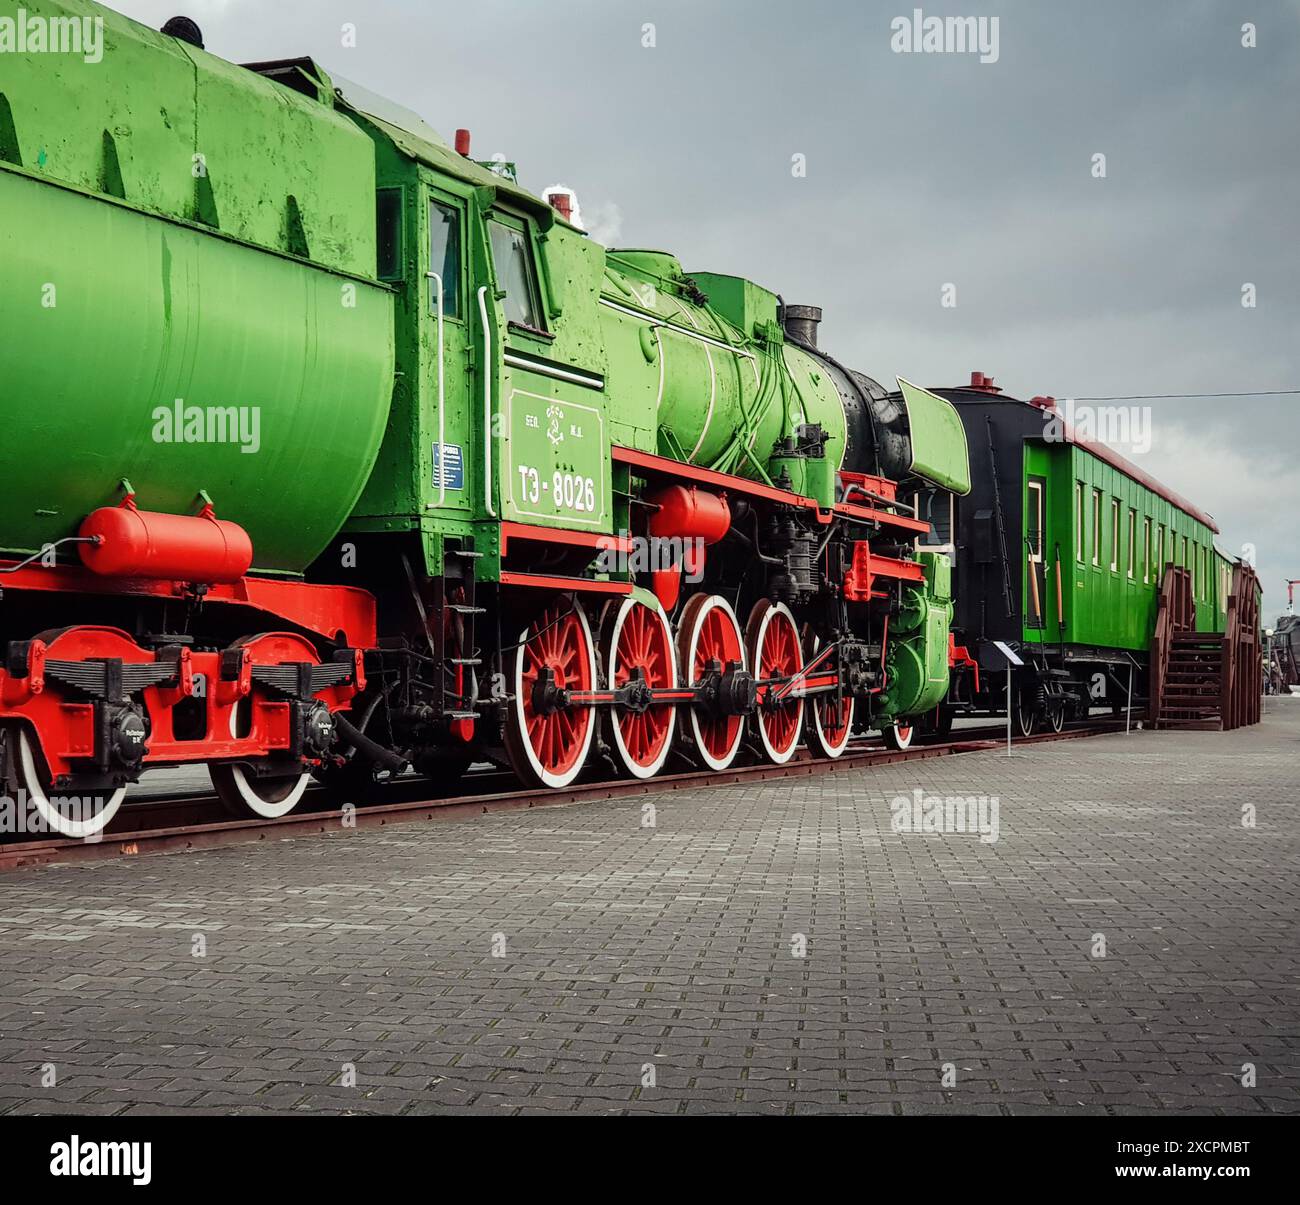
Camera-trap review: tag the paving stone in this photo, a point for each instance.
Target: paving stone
(676, 948)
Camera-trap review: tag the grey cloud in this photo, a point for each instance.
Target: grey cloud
(922, 169)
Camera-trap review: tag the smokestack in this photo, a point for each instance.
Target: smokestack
(801, 322)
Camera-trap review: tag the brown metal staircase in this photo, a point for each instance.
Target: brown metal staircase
(1206, 680)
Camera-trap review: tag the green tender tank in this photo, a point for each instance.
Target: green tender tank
(175, 227)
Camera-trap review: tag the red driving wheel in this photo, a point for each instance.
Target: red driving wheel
(638, 646)
(830, 719)
(709, 633)
(548, 746)
(772, 641)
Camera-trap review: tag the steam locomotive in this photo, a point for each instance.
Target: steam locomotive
(331, 452)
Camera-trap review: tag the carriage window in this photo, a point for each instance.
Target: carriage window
(1114, 535)
(1146, 550)
(1096, 527)
(1132, 542)
(937, 508)
(1034, 518)
(513, 259)
(1078, 521)
(444, 256)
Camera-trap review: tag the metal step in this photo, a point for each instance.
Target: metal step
(462, 609)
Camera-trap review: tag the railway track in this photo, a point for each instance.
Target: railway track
(184, 822)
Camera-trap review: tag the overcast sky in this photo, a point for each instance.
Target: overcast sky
(922, 170)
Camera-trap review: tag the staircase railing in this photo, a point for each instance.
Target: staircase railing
(1242, 664)
(1175, 612)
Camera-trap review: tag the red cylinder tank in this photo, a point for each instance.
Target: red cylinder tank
(686, 513)
(186, 548)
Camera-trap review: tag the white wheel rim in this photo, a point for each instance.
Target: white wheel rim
(713, 602)
(65, 826)
(775, 755)
(263, 808)
(901, 741)
(248, 795)
(823, 741)
(633, 767)
(547, 777)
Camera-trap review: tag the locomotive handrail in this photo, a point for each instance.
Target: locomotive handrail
(487, 403)
(442, 397)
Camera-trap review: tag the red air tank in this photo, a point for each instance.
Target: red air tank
(687, 513)
(184, 548)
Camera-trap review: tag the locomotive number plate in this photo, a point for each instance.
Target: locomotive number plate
(554, 462)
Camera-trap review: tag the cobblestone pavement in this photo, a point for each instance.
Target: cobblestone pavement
(574, 958)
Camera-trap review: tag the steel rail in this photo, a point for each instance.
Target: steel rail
(168, 836)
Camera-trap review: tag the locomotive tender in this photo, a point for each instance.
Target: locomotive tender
(331, 451)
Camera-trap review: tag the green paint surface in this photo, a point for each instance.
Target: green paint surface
(1109, 599)
(114, 304)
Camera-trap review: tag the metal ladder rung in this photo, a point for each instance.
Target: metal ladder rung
(462, 609)
(465, 552)
(464, 661)
(460, 715)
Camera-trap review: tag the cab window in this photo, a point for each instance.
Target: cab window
(444, 256)
(513, 259)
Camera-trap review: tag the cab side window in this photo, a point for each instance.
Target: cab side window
(513, 258)
(444, 254)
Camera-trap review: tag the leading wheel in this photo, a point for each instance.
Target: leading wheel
(772, 644)
(899, 736)
(80, 815)
(637, 644)
(547, 743)
(709, 636)
(829, 718)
